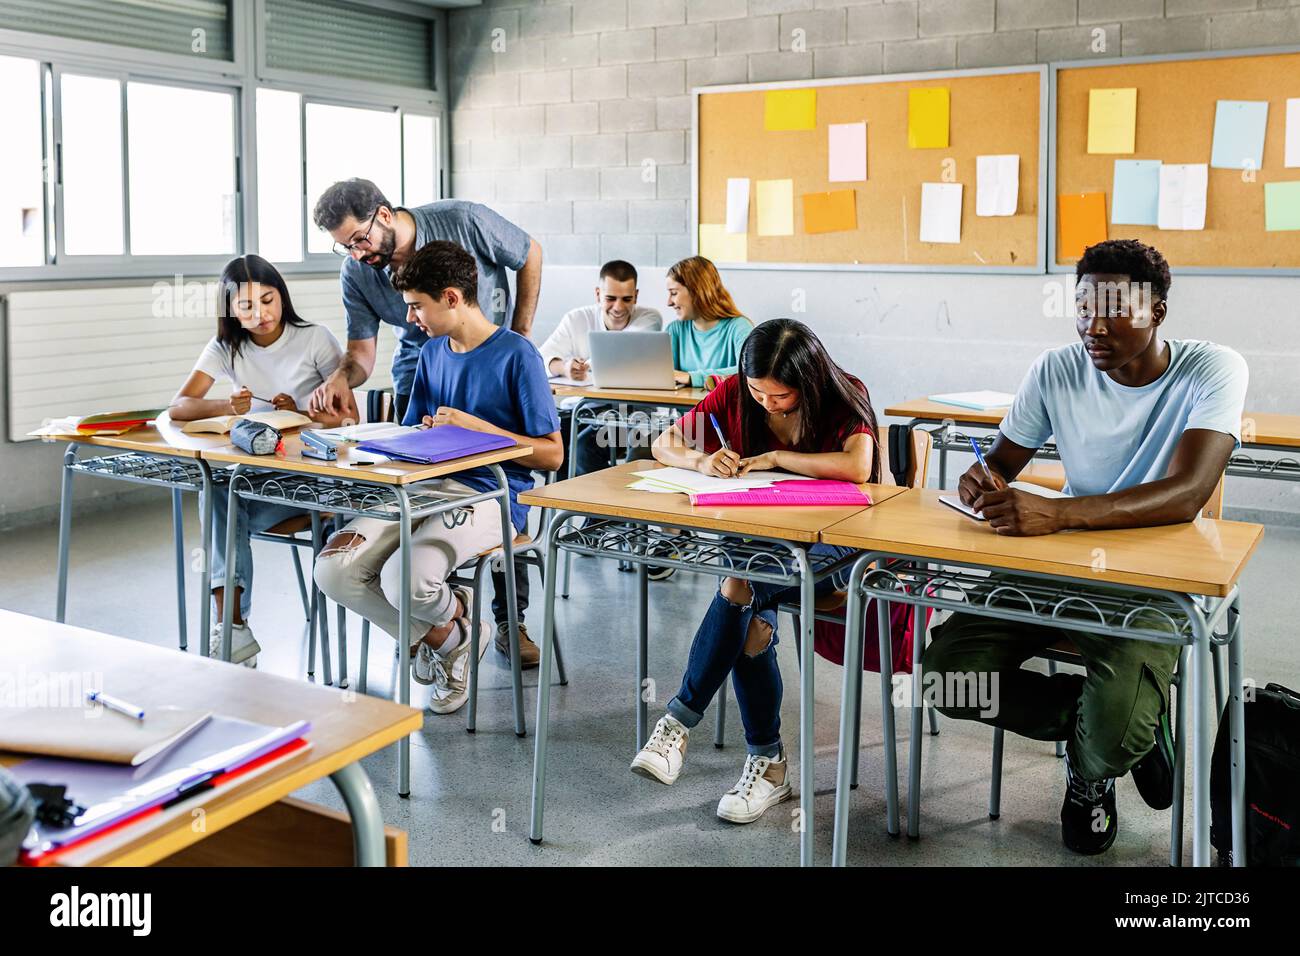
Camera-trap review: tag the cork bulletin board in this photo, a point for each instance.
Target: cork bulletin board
(991, 112)
(1175, 123)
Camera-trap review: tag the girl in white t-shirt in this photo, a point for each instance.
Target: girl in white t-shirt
(275, 360)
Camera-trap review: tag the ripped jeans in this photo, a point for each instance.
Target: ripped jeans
(719, 649)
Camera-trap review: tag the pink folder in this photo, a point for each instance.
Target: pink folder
(788, 493)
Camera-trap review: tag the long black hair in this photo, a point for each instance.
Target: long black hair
(243, 269)
(788, 352)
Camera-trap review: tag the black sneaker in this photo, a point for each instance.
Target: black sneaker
(1154, 773)
(659, 572)
(1089, 820)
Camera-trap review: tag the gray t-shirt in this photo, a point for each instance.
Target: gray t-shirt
(369, 297)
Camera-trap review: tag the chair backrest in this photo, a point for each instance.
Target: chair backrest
(1214, 506)
(379, 405)
(918, 459)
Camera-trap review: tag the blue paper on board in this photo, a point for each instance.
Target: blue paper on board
(1136, 195)
(1239, 134)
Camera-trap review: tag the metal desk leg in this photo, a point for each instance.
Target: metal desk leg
(342, 622)
(205, 575)
(942, 440)
(887, 716)
(1237, 729)
(65, 532)
(404, 637)
(914, 757)
(544, 686)
(573, 468)
(642, 652)
(367, 820)
(512, 608)
(1199, 700)
(1180, 758)
(720, 717)
(851, 690)
(228, 589)
(475, 612)
(807, 756)
(320, 613)
(178, 540)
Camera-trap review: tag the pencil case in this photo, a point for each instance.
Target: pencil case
(254, 437)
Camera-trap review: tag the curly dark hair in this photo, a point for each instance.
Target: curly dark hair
(358, 198)
(1128, 257)
(437, 266)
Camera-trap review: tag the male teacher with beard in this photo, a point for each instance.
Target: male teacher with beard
(376, 237)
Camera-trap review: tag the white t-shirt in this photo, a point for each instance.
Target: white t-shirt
(570, 338)
(295, 363)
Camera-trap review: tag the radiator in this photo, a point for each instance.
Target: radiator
(83, 351)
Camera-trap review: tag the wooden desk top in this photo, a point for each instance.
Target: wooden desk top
(344, 727)
(1200, 557)
(388, 472)
(682, 397)
(606, 493)
(164, 437)
(1265, 428)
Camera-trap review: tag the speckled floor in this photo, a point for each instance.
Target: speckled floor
(470, 794)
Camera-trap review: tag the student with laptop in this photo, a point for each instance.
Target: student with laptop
(790, 408)
(1145, 427)
(276, 359)
(710, 330)
(567, 352)
(476, 375)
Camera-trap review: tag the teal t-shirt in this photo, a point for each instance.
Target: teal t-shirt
(1113, 436)
(715, 352)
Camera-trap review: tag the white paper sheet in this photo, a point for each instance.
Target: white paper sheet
(685, 481)
(366, 431)
(1292, 134)
(847, 149)
(997, 185)
(1182, 195)
(941, 212)
(975, 400)
(738, 205)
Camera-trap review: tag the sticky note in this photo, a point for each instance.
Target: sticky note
(1083, 223)
(1281, 206)
(1239, 134)
(1292, 158)
(737, 205)
(927, 118)
(1182, 195)
(1136, 196)
(835, 211)
(776, 207)
(997, 185)
(721, 246)
(941, 212)
(790, 109)
(1112, 120)
(847, 150)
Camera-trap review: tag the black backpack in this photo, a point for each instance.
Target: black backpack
(1272, 781)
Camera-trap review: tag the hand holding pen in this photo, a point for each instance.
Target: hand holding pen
(723, 463)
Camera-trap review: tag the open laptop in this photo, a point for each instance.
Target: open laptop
(632, 360)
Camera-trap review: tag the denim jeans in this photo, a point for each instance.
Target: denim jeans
(719, 649)
(250, 517)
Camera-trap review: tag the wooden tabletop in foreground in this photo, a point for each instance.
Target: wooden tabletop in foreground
(607, 493)
(1204, 556)
(344, 726)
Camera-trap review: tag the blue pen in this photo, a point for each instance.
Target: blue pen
(980, 456)
(721, 437)
(115, 703)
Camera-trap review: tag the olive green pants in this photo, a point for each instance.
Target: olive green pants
(1108, 717)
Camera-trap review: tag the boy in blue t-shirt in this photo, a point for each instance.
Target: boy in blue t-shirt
(477, 376)
(1145, 428)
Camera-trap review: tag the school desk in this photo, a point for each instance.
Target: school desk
(389, 491)
(1260, 431)
(345, 728)
(160, 455)
(930, 555)
(754, 543)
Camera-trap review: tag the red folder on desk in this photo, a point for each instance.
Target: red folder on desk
(789, 493)
(437, 444)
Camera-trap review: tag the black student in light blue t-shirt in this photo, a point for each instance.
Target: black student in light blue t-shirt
(474, 375)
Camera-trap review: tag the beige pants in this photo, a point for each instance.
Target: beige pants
(366, 576)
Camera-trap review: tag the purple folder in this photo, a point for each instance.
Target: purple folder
(111, 792)
(440, 443)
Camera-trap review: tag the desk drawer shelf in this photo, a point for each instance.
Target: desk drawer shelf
(358, 498)
(183, 473)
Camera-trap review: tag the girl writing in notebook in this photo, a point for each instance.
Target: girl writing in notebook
(791, 408)
(276, 359)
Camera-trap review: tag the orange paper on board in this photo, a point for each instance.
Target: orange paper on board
(1083, 223)
(834, 211)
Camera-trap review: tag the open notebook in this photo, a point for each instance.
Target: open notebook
(952, 501)
(221, 425)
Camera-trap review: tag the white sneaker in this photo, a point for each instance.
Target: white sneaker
(762, 784)
(663, 754)
(243, 646)
(449, 675)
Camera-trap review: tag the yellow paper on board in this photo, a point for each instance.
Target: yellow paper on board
(775, 207)
(835, 211)
(718, 245)
(1112, 120)
(927, 118)
(790, 109)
